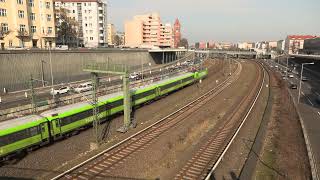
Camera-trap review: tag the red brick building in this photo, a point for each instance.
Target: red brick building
(177, 33)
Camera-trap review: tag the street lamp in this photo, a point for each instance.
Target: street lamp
(301, 79)
(50, 58)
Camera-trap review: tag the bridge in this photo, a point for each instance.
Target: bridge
(235, 54)
(306, 56)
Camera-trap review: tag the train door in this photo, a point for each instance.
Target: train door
(158, 91)
(56, 127)
(44, 132)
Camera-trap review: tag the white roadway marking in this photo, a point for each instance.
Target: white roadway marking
(309, 101)
(307, 98)
(317, 94)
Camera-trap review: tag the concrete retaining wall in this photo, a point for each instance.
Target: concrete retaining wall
(16, 68)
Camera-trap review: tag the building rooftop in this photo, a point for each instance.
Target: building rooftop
(301, 37)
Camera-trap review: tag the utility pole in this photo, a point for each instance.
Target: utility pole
(299, 94)
(42, 73)
(51, 72)
(229, 66)
(287, 66)
(33, 97)
(96, 121)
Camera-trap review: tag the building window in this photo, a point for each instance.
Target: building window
(31, 3)
(33, 29)
(73, 11)
(22, 28)
(21, 14)
(48, 5)
(10, 43)
(32, 16)
(49, 17)
(49, 30)
(20, 1)
(3, 12)
(2, 0)
(4, 27)
(91, 38)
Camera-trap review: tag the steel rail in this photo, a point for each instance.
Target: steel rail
(238, 129)
(226, 83)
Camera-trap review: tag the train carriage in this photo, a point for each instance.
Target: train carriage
(24, 132)
(21, 133)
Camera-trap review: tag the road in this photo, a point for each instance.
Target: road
(309, 108)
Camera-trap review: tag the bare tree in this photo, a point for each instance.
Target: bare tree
(116, 40)
(183, 43)
(23, 35)
(3, 32)
(67, 29)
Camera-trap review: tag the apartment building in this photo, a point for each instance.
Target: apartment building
(91, 17)
(147, 31)
(111, 30)
(294, 43)
(27, 24)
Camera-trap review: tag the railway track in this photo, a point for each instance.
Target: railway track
(206, 159)
(103, 163)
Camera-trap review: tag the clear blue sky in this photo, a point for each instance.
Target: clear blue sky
(226, 20)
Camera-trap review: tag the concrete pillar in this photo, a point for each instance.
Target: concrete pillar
(162, 57)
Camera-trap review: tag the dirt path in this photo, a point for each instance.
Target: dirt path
(284, 154)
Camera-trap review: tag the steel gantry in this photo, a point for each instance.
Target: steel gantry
(106, 68)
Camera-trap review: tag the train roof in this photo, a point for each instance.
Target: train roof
(63, 109)
(19, 121)
(77, 105)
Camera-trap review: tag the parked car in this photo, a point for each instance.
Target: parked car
(291, 76)
(61, 47)
(61, 90)
(293, 86)
(83, 87)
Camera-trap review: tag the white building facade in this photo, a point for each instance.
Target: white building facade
(91, 16)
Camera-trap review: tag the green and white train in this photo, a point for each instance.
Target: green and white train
(23, 133)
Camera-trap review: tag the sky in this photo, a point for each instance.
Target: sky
(226, 20)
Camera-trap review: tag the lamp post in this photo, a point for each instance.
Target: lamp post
(50, 58)
(301, 79)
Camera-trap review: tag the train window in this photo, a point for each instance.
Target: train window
(75, 117)
(116, 103)
(142, 95)
(20, 135)
(187, 79)
(167, 86)
(33, 131)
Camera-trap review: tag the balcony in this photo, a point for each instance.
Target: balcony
(100, 22)
(100, 8)
(101, 35)
(101, 41)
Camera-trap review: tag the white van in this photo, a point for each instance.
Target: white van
(83, 87)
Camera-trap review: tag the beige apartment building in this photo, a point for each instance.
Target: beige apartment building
(111, 31)
(147, 31)
(27, 23)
